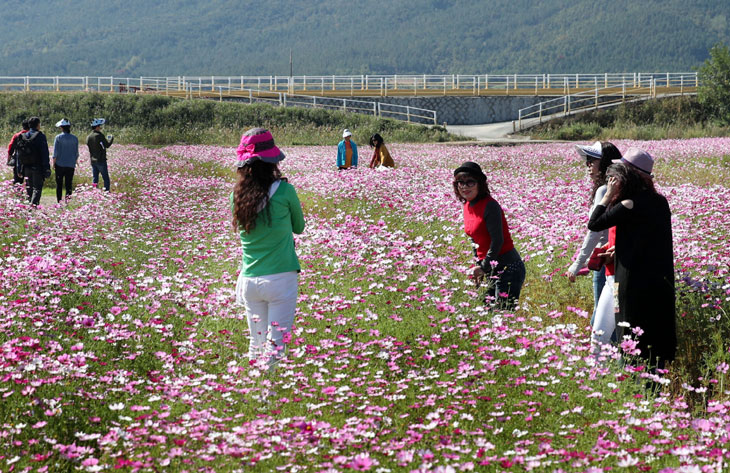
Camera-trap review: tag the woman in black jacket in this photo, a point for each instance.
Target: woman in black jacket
(644, 256)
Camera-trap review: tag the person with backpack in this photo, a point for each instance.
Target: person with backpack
(98, 144)
(13, 157)
(65, 154)
(32, 152)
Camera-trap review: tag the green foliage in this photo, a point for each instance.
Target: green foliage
(667, 118)
(160, 120)
(714, 93)
(136, 37)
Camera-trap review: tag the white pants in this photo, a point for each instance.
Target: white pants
(270, 303)
(605, 321)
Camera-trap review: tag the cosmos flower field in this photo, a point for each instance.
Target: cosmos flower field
(123, 349)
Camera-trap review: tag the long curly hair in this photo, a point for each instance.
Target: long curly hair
(631, 181)
(251, 192)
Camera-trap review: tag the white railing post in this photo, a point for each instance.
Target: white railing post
(540, 115)
(408, 113)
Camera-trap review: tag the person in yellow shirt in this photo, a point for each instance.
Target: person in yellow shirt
(381, 156)
(346, 151)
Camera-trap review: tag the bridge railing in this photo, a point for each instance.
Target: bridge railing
(89, 84)
(601, 97)
(359, 85)
(399, 112)
(384, 85)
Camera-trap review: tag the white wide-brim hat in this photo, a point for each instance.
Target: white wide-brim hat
(97, 122)
(63, 122)
(346, 133)
(593, 151)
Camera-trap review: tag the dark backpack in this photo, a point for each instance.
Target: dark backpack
(25, 150)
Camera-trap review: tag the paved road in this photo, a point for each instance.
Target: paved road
(492, 132)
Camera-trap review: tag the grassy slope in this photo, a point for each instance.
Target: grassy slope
(158, 120)
(670, 118)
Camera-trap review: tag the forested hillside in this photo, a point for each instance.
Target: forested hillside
(230, 37)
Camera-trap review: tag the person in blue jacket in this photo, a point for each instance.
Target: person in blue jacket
(65, 155)
(346, 151)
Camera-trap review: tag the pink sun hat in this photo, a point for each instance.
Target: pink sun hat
(258, 144)
(639, 159)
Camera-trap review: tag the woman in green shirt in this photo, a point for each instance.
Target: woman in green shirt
(266, 213)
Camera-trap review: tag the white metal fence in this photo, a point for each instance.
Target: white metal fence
(376, 85)
(593, 99)
(378, 109)
(402, 84)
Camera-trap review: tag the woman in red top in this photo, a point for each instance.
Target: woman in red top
(485, 223)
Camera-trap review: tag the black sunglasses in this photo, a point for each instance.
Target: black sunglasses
(465, 183)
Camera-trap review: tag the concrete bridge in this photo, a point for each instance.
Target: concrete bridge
(452, 99)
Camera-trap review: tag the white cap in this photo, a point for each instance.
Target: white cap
(97, 122)
(593, 151)
(63, 122)
(346, 133)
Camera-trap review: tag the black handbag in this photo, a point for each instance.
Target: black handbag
(12, 160)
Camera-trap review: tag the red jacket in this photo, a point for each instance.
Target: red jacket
(476, 227)
(11, 145)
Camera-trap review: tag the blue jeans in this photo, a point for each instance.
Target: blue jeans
(599, 280)
(100, 167)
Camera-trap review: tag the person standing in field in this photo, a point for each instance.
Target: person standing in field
(381, 156)
(485, 223)
(346, 151)
(98, 144)
(65, 155)
(266, 213)
(12, 155)
(32, 150)
(598, 157)
(644, 257)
